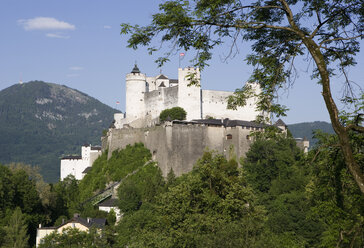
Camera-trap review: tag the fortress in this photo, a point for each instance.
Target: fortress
(147, 96)
(176, 144)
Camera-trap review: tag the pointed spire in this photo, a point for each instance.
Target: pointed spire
(135, 69)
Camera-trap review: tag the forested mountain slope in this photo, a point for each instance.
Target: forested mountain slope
(306, 129)
(40, 122)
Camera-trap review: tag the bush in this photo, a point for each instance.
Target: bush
(176, 113)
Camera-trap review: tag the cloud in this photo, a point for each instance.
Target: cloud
(76, 68)
(59, 36)
(45, 23)
(107, 27)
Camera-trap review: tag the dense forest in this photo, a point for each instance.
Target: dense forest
(279, 197)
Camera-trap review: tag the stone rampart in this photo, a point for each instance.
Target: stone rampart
(178, 146)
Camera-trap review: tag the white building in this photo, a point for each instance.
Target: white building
(76, 222)
(147, 97)
(111, 204)
(77, 165)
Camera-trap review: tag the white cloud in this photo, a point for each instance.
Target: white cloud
(45, 23)
(59, 36)
(107, 27)
(76, 68)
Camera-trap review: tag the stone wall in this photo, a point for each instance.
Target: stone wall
(214, 104)
(178, 146)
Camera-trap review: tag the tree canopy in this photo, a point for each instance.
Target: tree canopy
(327, 31)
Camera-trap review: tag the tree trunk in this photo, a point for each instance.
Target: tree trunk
(339, 129)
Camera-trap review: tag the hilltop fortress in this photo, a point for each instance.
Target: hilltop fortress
(176, 144)
(147, 96)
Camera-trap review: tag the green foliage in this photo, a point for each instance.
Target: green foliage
(74, 238)
(40, 122)
(212, 206)
(16, 231)
(336, 201)
(176, 113)
(140, 188)
(120, 164)
(275, 168)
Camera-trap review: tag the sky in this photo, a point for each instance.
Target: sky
(77, 43)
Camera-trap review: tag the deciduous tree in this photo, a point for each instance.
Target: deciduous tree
(328, 31)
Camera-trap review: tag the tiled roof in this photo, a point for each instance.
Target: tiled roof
(89, 222)
(110, 202)
(162, 85)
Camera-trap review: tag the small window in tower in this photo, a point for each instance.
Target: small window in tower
(248, 137)
(229, 136)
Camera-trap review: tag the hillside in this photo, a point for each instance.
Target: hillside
(40, 122)
(305, 129)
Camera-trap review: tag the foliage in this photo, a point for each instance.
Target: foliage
(176, 113)
(118, 166)
(212, 206)
(40, 122)
(276, 169)
(16, 231)
(74, 238)
(337, 203)
(328, 31)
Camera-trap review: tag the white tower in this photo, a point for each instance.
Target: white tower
(135, 89)
(189, 97)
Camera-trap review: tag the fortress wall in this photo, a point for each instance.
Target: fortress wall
(180, 146)
(214, 104)
(158, 100)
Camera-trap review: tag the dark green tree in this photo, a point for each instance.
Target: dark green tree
(212, 206)
(176, 113)
(16, 231)
(328, 31)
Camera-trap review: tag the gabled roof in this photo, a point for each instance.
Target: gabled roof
(89, 222)
(162, 85)
(162, 77)
(280, 123)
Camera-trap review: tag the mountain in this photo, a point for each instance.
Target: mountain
(40, 122)
(305, 129)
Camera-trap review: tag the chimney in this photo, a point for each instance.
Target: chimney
(40, 225)
(62, 221)
(88, 219)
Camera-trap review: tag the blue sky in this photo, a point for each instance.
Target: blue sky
(77, 43)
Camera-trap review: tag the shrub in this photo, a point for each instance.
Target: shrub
(176, 113)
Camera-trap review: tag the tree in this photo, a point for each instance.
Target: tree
(176, 113)
(16, 231)
(327, 30)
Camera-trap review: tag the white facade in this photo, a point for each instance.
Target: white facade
(75, 165)
(147, 97)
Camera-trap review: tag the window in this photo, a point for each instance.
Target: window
(229, 136)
